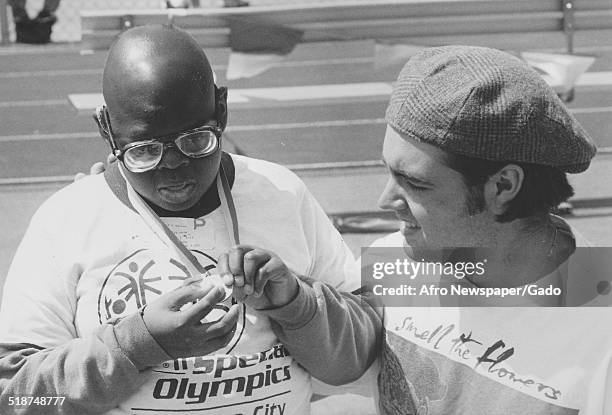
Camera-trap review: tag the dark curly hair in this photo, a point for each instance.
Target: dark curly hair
(543, 187)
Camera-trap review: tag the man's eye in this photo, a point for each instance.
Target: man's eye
(415, 188)
(406, 181)
(139, 151)
(146, 150)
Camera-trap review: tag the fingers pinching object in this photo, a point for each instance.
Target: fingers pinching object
(223, 297)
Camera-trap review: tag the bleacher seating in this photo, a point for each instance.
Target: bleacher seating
(496, 23)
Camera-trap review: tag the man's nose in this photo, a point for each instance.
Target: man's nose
(391, 198)
(172, 158)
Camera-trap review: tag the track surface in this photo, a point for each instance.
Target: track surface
(43, 135)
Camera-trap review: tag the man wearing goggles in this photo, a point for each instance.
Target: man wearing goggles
(142, 156)
(168, 142)
(117, 279)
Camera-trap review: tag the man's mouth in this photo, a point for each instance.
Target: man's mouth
(175, 186)
(176, 191)
(408, 226)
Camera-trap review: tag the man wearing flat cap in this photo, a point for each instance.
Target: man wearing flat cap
(477, 148)
(115, 301)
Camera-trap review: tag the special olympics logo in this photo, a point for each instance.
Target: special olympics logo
(141, 278)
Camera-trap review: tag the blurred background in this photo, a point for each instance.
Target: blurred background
(318, 109)
(68, 26)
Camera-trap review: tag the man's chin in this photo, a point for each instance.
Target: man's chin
(419, 250)
(413, 238)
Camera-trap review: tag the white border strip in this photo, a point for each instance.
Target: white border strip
(216, 68)
(48, 74)
(88, 102)
(34, 103)
(41, 137)
(591, 110)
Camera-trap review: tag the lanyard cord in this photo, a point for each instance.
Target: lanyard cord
(168, 237)
(227, 206)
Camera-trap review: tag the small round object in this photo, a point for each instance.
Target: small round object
(222, 307)
(604, 288)
(215, 279)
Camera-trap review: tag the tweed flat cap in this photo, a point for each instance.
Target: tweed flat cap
(487, 104)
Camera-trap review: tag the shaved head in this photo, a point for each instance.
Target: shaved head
(159, 75)
(157, 85)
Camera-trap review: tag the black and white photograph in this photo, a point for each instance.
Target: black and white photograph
(316, 207)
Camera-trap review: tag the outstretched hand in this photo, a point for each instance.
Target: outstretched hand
(182, 331)
(259, 278)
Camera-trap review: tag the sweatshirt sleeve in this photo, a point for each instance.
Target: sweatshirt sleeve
(42, 354)
(92, 374)
(332, 334)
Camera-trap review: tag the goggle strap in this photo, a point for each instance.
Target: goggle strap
(220, 106)
(104, 121)
(171, 240)
(227, 204)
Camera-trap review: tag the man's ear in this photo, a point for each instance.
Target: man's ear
(502, 187)
(221, 106)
